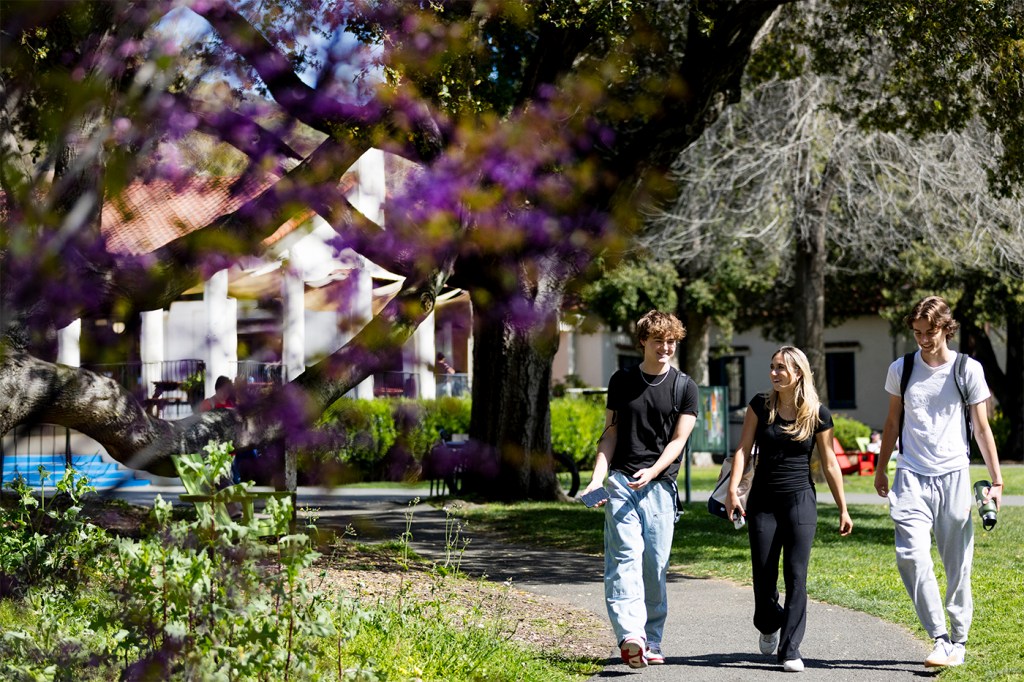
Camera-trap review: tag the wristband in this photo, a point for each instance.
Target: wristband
(996, 485)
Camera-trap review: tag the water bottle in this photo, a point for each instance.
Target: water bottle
(986, 509)
(739, 520)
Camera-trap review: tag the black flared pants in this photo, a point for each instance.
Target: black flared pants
(781, 526)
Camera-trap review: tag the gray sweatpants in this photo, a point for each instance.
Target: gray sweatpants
(920, 505)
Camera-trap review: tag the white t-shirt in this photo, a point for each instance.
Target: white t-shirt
(934, 431)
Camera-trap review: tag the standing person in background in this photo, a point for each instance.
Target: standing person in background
(646, 430)
(782, 513)
(442, 370)
(931, 490)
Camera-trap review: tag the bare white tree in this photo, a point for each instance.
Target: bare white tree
(782, 169)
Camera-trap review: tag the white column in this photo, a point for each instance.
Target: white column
(362, 313)
(419, 357)
(293, 324)
(368, 195)
(151, 348)
(221, 339)
(69, 344)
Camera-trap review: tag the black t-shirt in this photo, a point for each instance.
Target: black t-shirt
(783, 464)
(643, 418)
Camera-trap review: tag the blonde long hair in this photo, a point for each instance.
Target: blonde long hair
(807, 400)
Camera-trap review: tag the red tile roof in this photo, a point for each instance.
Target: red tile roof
(146, 216)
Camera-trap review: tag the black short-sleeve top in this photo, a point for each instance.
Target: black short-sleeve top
(645, 417)
(783, 464)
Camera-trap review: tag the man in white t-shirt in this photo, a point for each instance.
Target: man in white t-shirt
(931, 491)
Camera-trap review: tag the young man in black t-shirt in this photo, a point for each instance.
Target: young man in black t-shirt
(640, 452)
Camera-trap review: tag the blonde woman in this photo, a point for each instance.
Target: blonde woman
(785, 424)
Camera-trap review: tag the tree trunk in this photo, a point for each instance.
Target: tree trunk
(510, 429)
(697, 347)
(809, 311)
(1007, 387)
(1012, 402)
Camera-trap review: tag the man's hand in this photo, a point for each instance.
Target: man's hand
(643, 477)
(881, 482)
(995, 493)
(594, 485)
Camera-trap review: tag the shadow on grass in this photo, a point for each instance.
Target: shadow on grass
(542, 542)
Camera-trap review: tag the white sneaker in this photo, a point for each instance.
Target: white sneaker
(793, 665)
(768, 643)
(943, 653)
(957, 656)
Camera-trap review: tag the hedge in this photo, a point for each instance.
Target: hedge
(388, 439)
(847, 430)
(576, 424)
(381, 439)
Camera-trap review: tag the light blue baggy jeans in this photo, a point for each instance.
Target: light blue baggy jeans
(638, 527)
(922, 505)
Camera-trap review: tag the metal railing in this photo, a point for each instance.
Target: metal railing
(455, 385)
(406, 385)
(251, 372)
(168, 389)
(36, 439)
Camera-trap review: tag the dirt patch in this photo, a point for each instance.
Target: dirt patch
(534, 620)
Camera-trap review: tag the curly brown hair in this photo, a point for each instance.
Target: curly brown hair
(660, 325)
(936, 311)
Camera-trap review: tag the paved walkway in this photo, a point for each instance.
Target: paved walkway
(709, 635)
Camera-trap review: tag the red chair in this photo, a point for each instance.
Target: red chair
(848, 463)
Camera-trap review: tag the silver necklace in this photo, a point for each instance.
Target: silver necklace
(657, 383)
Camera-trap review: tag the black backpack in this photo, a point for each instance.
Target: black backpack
(959, 378)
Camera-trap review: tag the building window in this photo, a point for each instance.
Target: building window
(841, 379)
(730, 370)
(629, 361)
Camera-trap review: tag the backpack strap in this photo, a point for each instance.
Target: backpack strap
(960, 379)
(908, 367)
(678, 384)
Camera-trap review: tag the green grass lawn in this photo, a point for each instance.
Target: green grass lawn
(704, 478)
(858, 572)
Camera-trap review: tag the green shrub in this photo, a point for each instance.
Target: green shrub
(848, 430)
(364, 429)
(576, 424)
(1000, 424)
(420, 423)
(381, 439)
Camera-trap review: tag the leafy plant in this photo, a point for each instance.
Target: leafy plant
(207, 599)
(45, 540)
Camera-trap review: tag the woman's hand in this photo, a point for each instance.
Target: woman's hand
(845, 524)
(732, 504)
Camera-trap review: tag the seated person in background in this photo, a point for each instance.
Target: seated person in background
(223, 395)
(875, 444)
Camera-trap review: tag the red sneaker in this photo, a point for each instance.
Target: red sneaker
(632, 650)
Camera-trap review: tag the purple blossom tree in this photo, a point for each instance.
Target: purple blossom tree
(539, 133)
